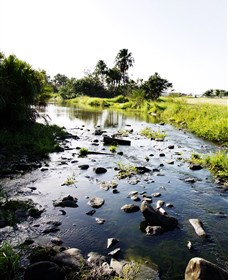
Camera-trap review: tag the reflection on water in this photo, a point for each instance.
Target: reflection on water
(191, 200)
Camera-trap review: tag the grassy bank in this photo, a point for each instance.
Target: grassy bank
(209, 121)
(36, 139)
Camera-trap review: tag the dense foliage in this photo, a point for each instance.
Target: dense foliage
(19, 86)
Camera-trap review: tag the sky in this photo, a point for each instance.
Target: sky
(185, 41)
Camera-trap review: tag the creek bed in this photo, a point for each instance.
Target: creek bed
(200, 199)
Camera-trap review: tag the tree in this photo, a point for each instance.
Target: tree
(155, 86)
(124, 61)
(60, 80)
(19, 86)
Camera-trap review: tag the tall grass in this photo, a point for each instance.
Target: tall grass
(9, 262)
(217, 163)
(37, 139)
(204, 120)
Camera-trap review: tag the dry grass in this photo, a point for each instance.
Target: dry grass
(216, 101)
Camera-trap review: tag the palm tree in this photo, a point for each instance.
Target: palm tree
(101, 70)
(123, 61)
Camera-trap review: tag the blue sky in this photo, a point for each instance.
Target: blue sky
(185, 41)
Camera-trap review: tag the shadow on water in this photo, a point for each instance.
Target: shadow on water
(198, 199)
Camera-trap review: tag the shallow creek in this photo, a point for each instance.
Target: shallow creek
(200, 199)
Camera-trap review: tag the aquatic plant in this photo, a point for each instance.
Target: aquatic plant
(83, 152)
(9, 262)
(71, 180)
(126, 170)
(112, 148)
(149, 133)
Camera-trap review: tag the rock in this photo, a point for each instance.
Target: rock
(91, 212)
(56, 240)
(129, 208)
(157, 194)
(162, 155)
(189, 245)
(132, 193)
(159, 204)
(44, 270)
(114, 253)
(154, 230)
(111, 242)
(199, 268)
(104, 186)
(170, 205)
(96, 202)
(118, 266)
(155, 218)
(198, 227)
(171, 147)
(146, 273)
(190, 180)
(67, 201)
(100, 170)
(95, 259)
(99, 220)
(70, 257)
(135, 197)
(195, 167)
(83, 166)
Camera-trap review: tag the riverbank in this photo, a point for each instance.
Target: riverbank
(207, 119)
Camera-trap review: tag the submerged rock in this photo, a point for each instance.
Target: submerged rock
(96, 202)
(129, 208)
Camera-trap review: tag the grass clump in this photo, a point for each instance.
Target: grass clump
(217, 163)
(9, 262)
(83, 152)
(149, 133)
(126, 170)
(112, 148)
(71, 180)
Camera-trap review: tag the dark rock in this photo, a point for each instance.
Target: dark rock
(84, 166)
(100, 170)
(91, 212)
(56, 240)
(156, 218)
(195, 167)
(111, 242)
(43, 270)
(171, 147)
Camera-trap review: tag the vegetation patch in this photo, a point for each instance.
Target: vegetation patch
(9, 262)
(152, 134)
(83, 152)
(217, 163)
(125, 170)
(14, 211)
(208, 121)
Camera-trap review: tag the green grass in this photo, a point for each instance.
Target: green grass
(217, 163)
(204, 120)
(37, 139)
(125, 170)
(152, 134)
(83, 152)
(9, 262)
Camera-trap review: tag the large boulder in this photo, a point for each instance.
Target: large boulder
(199, 268)
(71, 257)
(155, 218)
(44, 270)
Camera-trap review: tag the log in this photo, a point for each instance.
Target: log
(119, 141)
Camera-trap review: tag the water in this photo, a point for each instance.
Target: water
(168, 251)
